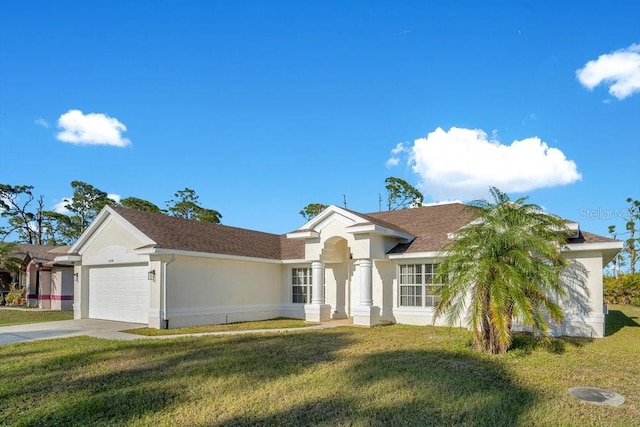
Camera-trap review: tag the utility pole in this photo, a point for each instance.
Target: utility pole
(344, 200)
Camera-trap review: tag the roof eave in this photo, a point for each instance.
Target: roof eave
(412, 255)
(181, 252)
(303, 234)
(68, 258)
(377, 229)
(599, 246)
(608, 250)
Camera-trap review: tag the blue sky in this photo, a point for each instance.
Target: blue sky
(264, 107)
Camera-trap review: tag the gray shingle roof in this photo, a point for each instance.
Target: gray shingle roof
(43, 254)
(377, 220)
(431, 226)
(189, 235)
(586, 237)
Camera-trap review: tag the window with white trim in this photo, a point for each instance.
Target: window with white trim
(301, 285)
(416, 285)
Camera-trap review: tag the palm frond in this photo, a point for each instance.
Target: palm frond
(505, 263)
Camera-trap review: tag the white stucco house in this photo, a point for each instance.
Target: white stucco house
(167, 272)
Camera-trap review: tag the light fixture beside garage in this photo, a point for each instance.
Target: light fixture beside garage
(152, 275)
(75, 277)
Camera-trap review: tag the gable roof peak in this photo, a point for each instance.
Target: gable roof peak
(327, 212)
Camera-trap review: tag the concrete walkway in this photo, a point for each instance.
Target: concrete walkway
(107, 329)
(124, 336)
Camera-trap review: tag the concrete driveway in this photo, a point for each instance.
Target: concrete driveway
(67, 328)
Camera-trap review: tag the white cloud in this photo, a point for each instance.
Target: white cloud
(464, 163)
(620, 70)
(60, 206)
(399, 148)
(91, 129)
(393, 161)
(42, 122)
(396, 152)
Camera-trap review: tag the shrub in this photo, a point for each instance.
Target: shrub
(625, 289)
(15, 295)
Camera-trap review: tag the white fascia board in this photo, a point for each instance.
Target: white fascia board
(592, 246)
(376, 229)
(99, 219)
(161, 251)
(307, 234)
(296, 261)
(415, 255)
(313, 222)
(68, 258)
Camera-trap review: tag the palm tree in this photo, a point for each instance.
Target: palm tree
(506, 263)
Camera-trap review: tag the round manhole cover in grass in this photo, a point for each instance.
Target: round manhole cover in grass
(597, 396)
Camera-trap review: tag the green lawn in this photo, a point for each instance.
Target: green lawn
(392, 375)
(10, 317)
(240, 326)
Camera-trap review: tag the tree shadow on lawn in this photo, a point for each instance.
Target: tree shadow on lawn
(109, 382)
(617, 320)
(11, 352)
(109, 407)
(421, 388)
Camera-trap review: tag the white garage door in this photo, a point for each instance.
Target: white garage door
(119, 293)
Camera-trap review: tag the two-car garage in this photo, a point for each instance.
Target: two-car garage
(119, 293)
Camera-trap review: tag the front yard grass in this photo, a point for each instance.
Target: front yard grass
(281, 323)
(393, 375)
(9, 316)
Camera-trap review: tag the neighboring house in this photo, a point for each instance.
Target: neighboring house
(6, 279)
(167, 272)
(48, 283)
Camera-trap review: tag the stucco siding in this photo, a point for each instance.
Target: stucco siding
(383, 279)
(44, 300)
(210, 291)
(62, 288)
(111, 243)
(338, 282)
(583, 305)
(336, 227)
(379, 246)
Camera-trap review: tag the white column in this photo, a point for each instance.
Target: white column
(317, 310)
(365, 314)
(366, 285)
(317, 282)
(81, 292)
